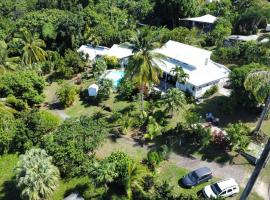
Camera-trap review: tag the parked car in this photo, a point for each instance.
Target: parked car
(197, 177)
(225, 188)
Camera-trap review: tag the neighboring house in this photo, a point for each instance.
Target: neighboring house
(233, 39)
(93, 52)
(267, 28)
(204, 22)
(203, 72)
(121, 52)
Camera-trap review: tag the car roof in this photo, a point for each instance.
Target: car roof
(202, 171)
(227, 184)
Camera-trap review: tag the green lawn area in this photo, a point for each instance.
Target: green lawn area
(67, 187)
(171, 173)
(7, 186)
(121, 145)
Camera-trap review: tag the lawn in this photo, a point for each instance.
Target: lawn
(121, 144)
(169, 172)
(73, 185)
(7, 186)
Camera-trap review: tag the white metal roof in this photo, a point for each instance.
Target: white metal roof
(197, 77)
(227, 183)
(210, 19)
(244, 38)
(191, 55)
(119, 51)
(267, 27)
(93, 86)
(193, 61)
(93, 52)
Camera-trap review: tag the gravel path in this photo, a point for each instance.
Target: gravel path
(61, 114)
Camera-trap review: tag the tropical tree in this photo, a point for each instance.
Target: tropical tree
(173, 100)
(103, 173)
(238, 135)
(180, 75)
(258, 82)
(142, 68)
(7, 130)
(36, 176)
(7, 63)
(67, 94)
(153, 128)
(33, 51)
(134, 177)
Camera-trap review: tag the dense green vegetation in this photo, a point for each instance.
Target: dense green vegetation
(51, 131)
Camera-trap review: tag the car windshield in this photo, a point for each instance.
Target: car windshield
(216, 189)
(193, 176)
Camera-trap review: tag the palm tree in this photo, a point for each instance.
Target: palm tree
(142, 68)
(33, 51)
(153, 129)
(174, 100)
(36, 176)
(134, 178)
(6, 63)
(180, 75)
(258, 82)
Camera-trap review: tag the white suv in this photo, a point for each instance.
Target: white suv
(225, 188)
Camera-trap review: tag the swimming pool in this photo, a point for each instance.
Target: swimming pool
(115, 76)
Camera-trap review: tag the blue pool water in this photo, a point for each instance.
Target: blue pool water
(115, 76)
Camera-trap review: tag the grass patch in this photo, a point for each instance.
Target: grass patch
(73, 185)
(7, 186)
(172, 174)
(121, 144)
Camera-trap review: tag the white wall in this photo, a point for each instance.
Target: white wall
(198, 92)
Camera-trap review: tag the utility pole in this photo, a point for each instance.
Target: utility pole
(260, 164)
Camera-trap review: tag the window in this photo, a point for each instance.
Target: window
(229, 191)
(223, 193)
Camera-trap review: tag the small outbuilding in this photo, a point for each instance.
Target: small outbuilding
(93, 90)
(267, 28)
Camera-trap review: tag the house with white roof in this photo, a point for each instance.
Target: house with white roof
(232, 39)
(204, 22)
(121, 52)
(196, 62)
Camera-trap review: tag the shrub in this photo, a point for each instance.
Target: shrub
(112, 62)
(126, 89)
(155, 157)
(67, 94)
(211, 91)
(105, 87)
(7, 131)
(18, 104)
(31, 127)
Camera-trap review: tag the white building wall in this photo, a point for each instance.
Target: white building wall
(198, 92)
